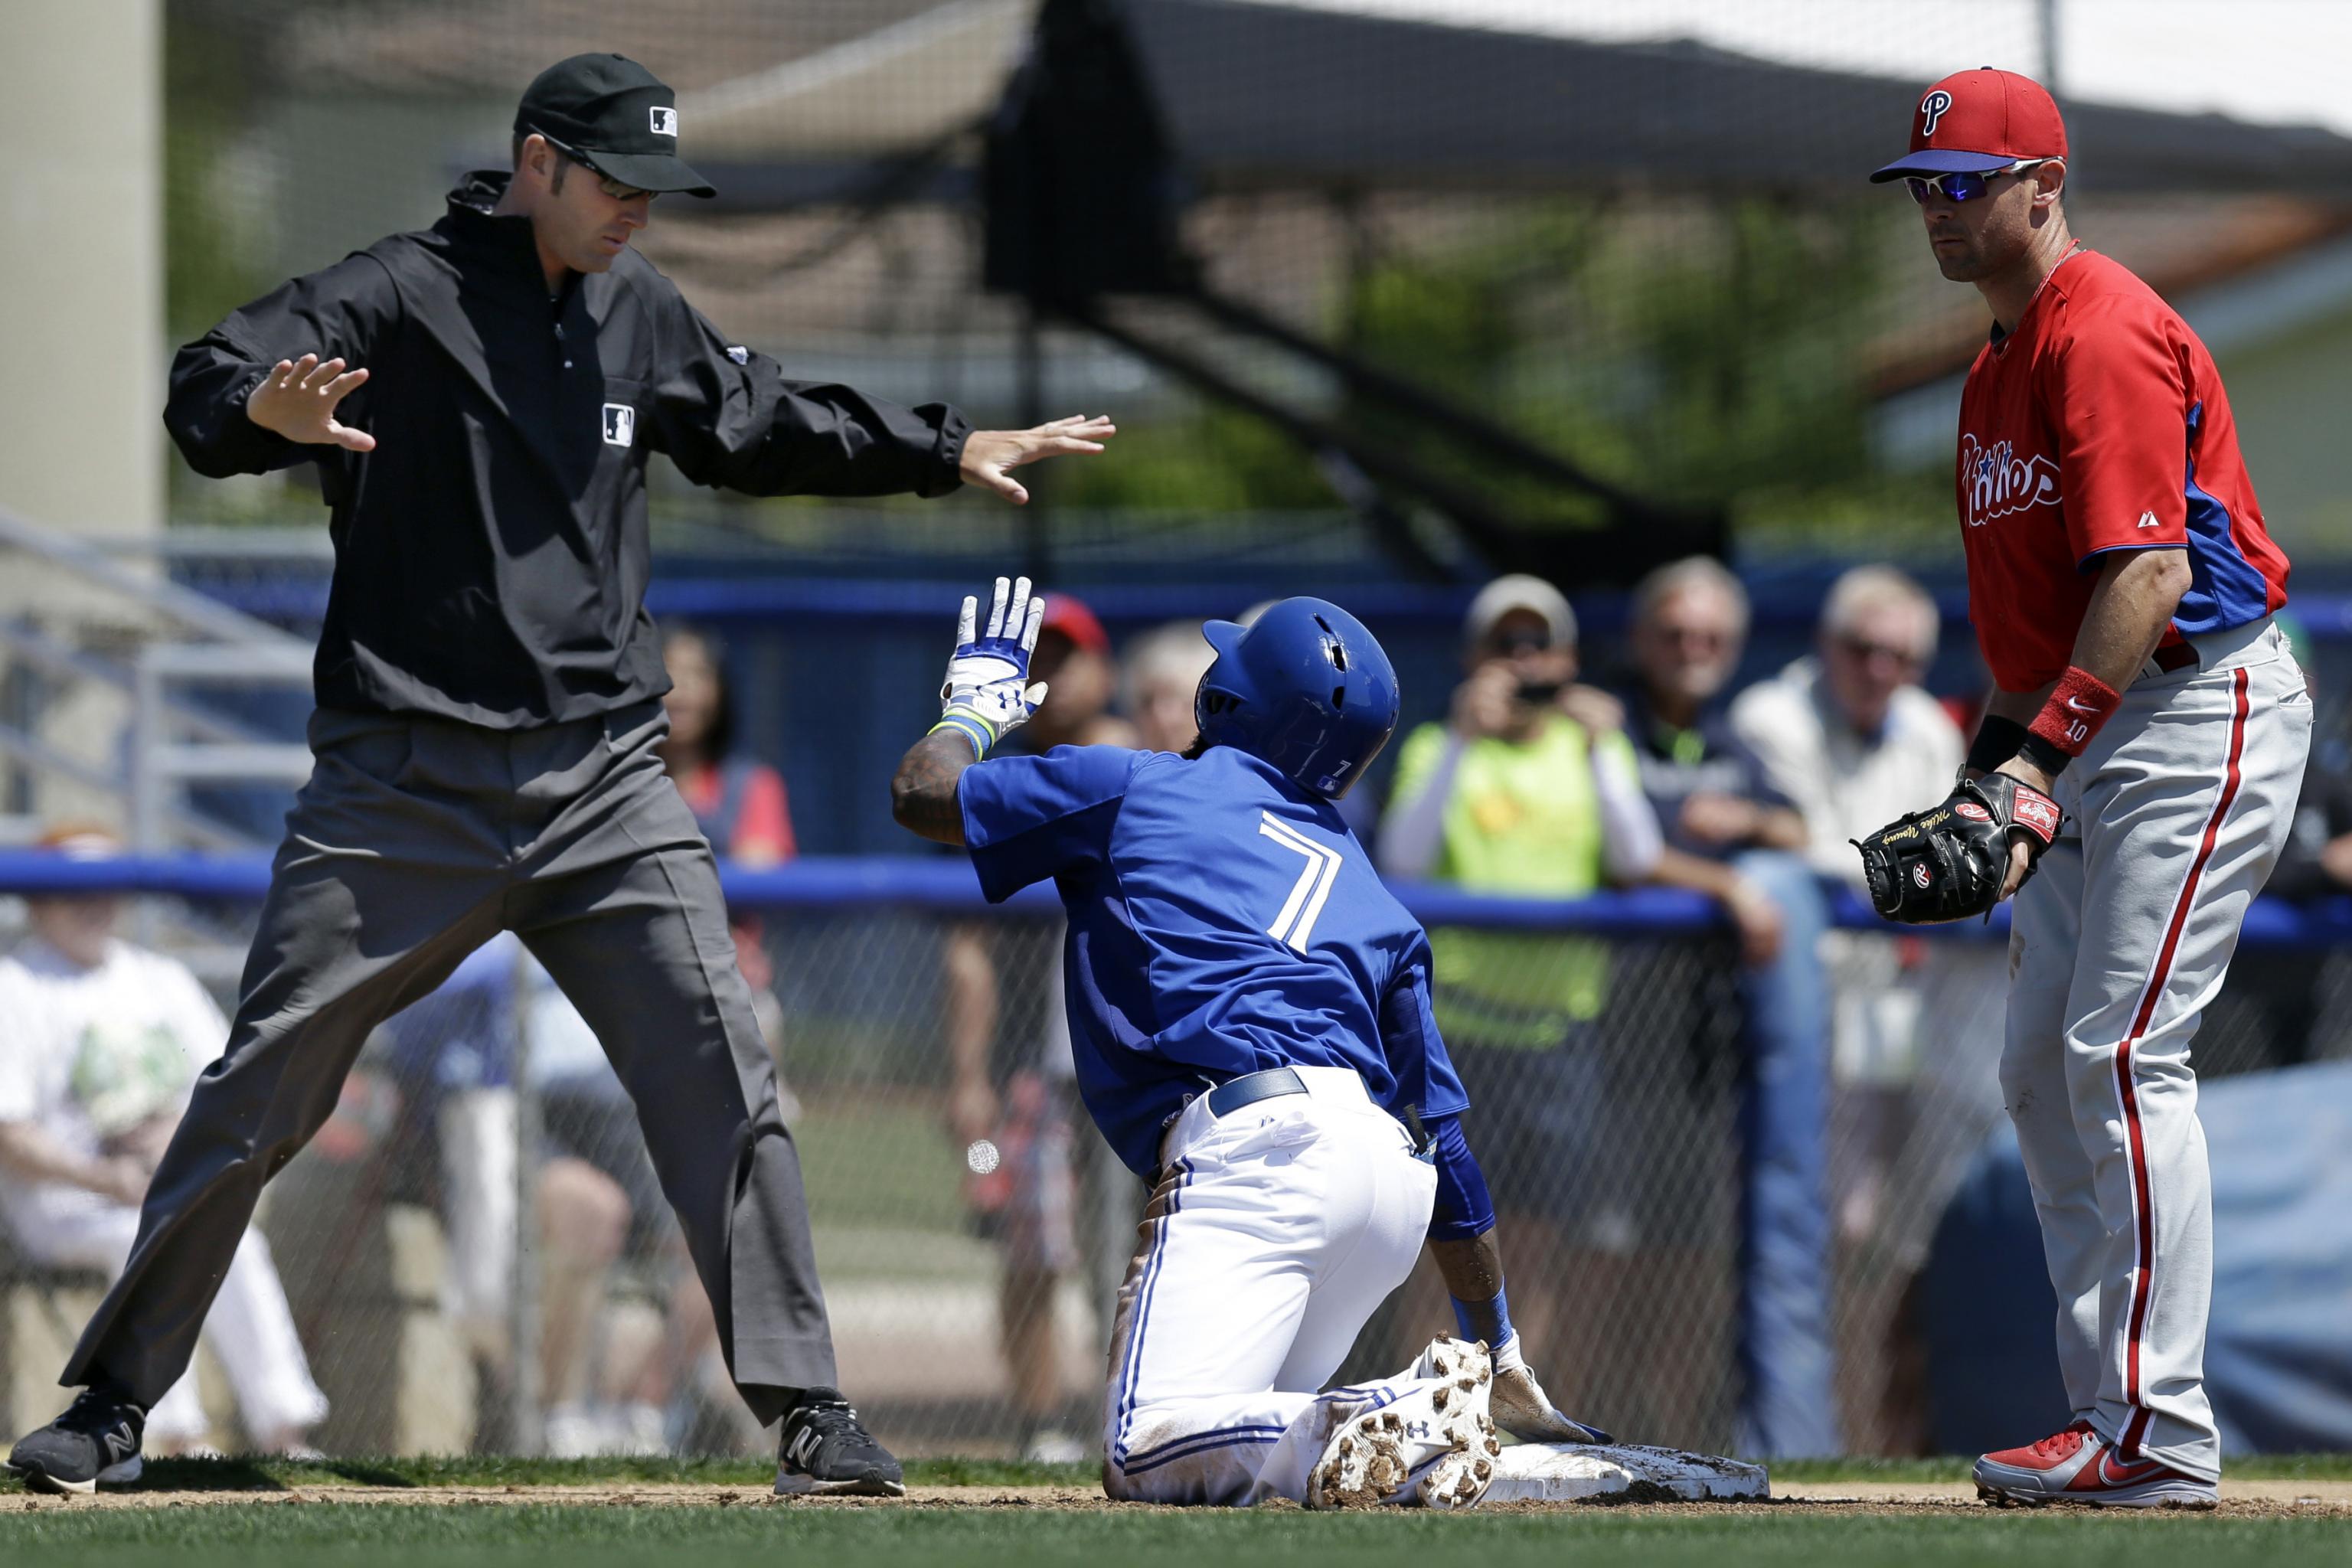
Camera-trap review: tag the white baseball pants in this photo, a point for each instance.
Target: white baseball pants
(250, 1328)
(2175, 816)
(1274, 1233)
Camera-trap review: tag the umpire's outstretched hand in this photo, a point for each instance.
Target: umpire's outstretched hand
(297, 399)
(990, 456)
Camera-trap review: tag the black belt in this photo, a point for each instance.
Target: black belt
(1251, 1088)
(2178, 655)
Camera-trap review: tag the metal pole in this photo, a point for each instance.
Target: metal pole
(149, 732)
(2048, 18)
(529, 1424)
(146, 740)
(1038, 551)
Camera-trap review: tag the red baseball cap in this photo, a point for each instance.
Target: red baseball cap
(1972, 122)
(1072, 618)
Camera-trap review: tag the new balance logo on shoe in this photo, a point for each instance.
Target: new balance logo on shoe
(826, 1450)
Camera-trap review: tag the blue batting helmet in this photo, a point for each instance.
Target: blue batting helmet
(1305, 688)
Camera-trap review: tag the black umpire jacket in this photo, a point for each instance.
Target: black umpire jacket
(490, 553)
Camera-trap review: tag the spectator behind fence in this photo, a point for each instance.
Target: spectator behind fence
(99, 1041)
(1011, 1098)
(1515, 794)
(1163, 669)
(1732, 835)
(1722, 818)
(737, 802)
(1846, 733)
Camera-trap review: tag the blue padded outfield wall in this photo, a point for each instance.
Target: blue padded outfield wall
(2278, 1361)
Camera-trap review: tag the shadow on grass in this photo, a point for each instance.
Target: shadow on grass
(239, 1473)
(362, 1473)
(223, 1475)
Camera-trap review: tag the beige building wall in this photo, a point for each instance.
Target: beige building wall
(81, 316)
(81, 329)
(2290, 395)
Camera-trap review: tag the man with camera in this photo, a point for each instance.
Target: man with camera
(1530, 788)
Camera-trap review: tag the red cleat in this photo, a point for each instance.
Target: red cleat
(2078, 1466)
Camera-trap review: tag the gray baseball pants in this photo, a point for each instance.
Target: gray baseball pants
(414, 841)
(2175, 816)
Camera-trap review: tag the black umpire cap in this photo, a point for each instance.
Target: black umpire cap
(614, 115)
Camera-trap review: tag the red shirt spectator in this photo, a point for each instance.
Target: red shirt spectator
(739, 804)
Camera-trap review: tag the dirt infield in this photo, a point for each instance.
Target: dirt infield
(2239, 1498)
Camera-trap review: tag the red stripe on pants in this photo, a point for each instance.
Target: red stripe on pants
(2143, 1205)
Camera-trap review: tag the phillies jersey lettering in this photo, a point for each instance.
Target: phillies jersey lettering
(2100, 424)
(1996, 482)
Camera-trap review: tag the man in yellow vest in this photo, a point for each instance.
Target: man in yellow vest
(1528, 788)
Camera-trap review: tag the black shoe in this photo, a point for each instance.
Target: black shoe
(96, 1439)
(827, 1451)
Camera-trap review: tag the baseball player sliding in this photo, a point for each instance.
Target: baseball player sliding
(2141, 752)
(1249, 1011)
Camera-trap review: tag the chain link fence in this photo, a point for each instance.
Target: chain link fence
(477, 1257)
(472, 1252)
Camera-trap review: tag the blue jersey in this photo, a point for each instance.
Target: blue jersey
(1221, 921)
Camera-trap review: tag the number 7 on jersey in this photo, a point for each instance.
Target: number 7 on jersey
(1295, 924)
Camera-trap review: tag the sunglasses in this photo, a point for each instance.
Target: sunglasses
(1962, 187)
(1697, 637)
(1863, 650)
(619, 192)
(604, 183)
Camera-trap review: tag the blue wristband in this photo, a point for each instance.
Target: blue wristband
(1490, 1320)
(968, 724)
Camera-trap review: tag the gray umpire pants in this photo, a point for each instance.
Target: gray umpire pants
(414, 842)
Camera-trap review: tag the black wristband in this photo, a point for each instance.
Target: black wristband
(1998, 740)
(2042, 754)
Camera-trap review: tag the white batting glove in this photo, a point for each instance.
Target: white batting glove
(1522, 1408)
(986, 695)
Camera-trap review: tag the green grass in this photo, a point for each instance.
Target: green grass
(2257, 1467)
(496, 1470)
(254, 1535)
(274, 1531)
(881, 1162)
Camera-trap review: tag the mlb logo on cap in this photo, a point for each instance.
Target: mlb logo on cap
(665, 121)
(1973, 122)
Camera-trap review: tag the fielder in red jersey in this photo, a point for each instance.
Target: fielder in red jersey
(2122, 582)
(2100, 426)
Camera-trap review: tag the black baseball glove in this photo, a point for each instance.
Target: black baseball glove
(1949, 863)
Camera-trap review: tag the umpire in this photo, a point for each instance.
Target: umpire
(489, 690)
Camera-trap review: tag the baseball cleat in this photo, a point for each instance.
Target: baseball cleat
(94, 1443)
(1433, 1443)
(825, 1450)
(2078, 1466)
